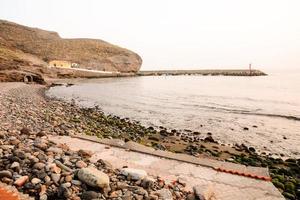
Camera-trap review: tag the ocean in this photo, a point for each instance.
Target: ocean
(262, 111)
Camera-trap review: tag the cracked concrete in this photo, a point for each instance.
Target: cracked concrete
(224, 185)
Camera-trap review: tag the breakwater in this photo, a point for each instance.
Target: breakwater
(211, 72)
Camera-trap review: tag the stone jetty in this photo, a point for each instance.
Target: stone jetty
(211, 72)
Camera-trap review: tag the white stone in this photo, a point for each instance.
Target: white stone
(15, 165)
(35, 181)
(135, 174)
(93, 177)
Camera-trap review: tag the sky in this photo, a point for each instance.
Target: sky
(176, 34)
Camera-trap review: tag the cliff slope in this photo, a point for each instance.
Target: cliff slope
(22, 46)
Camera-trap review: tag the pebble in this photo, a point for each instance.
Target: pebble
(164, 194)
(76, 182)
(64, 191)
(43, 197)
(80, 164)
(20, 154)
(39, 165)
(15, 165)
(88, 195)
(55, 150)
(147, 182)
(5, 173)
(85, 153)
(21, 181)
(25, 131)
(54, 168)
(2, 134)
(55, 177)
(35, 181)
(68, 178)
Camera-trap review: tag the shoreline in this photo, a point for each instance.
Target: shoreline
(62, 118)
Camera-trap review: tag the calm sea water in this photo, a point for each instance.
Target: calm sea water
(269, 106)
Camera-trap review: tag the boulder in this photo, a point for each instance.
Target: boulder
(135, 174)
(93, 177)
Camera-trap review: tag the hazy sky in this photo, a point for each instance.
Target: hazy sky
(181, 34)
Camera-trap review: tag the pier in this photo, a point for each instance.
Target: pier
(204, 72)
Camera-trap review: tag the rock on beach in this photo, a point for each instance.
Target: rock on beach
(135, 174)
(93, 177)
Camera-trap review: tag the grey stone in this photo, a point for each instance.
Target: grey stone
(55, 177)
(88, 195)
(76, 182)
(64, 191)
(20, 154)
(141, 191)
(67, 184)
(39, 165)
(5, 173)
(147, 182)
(15, 165)
(43, 197)
(164, 194)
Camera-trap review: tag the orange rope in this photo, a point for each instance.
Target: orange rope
(265, 178)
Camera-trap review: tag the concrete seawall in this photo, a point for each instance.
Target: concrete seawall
(213, 72)
(215, 185)
(76, 73)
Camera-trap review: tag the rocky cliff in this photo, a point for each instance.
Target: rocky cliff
(26, 48)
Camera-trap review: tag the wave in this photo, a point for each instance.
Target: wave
(290, 117)
(246, 112)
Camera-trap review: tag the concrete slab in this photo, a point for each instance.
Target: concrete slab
(224, 185)
(133, 146)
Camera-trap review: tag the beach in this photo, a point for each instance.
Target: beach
(44, 170)
(27, 106)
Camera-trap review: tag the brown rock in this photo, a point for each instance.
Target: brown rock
(85, 153)
(80, 164)
(68, 178)
(43, 190)
(21, 181)
(25, 131)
